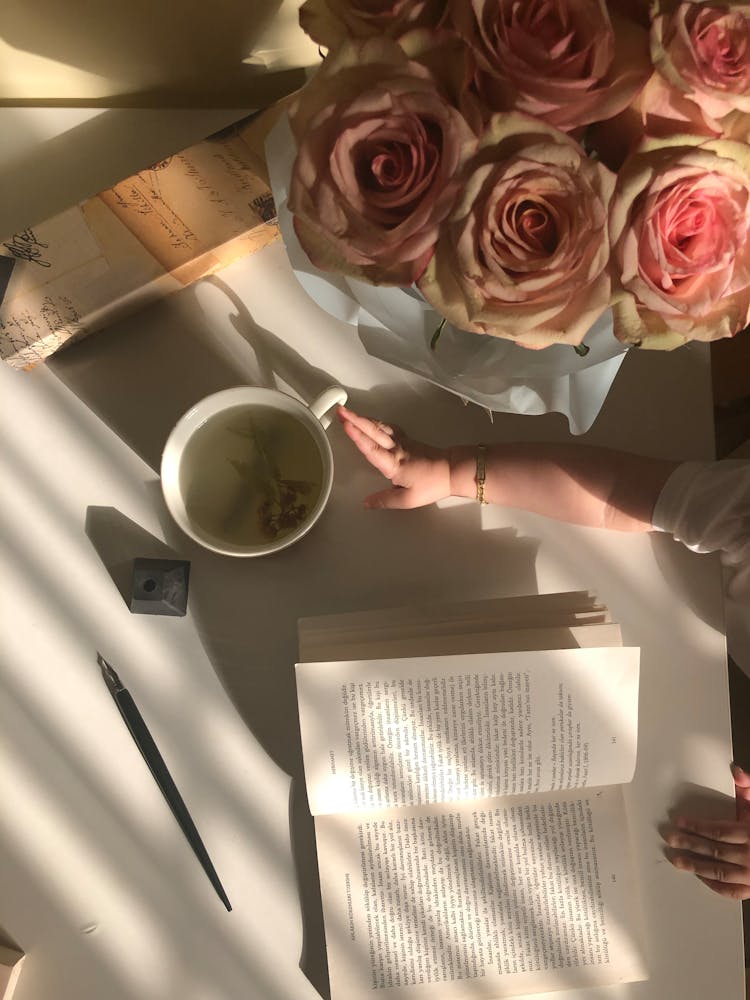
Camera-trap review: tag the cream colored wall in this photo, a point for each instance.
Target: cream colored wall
(151, 53)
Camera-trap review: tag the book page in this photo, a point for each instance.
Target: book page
(493, 898)
(384, 733)
(436, 643)
(433, 623)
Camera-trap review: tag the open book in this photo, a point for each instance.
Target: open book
(465, 767)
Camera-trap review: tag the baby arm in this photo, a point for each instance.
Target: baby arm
(596, 487)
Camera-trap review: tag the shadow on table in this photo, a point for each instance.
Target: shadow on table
(246, 610)
(119, 541)
(701, 592)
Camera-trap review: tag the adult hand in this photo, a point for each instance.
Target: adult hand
(420, 474)
(717, 851)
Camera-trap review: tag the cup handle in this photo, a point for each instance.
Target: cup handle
(329, 398)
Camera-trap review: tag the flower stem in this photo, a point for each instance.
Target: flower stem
(581, 350)
(436, 334)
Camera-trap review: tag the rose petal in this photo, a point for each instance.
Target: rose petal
(680, 232)
(525, 250)
(566, 62)
(375, 174)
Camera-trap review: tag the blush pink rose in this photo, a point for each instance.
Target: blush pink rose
(332, 22)
(378, 152)
(524, 253)
(680, 232)
(702, 51)
(564, 61)
(703, 65)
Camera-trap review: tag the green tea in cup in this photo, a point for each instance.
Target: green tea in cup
(250, 475)
(248, 471)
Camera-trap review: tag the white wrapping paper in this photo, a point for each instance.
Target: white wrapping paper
(397, 325)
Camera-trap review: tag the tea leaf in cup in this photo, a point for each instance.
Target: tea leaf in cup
(251, 475)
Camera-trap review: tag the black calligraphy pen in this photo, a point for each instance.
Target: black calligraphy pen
(145, 743)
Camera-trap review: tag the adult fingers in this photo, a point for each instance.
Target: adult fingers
(396, 498)
(733, 851)
(383, 459)
(742, 792)
(731, 831)
(710, 868)
(727, 889)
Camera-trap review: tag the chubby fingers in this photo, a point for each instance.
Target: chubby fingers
(375, 430)
(374, 441)
(382, 458)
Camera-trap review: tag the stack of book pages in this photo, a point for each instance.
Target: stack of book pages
(465, 766)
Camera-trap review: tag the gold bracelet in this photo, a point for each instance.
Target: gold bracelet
(481, 472)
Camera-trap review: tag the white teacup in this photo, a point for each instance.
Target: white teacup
(247, 494)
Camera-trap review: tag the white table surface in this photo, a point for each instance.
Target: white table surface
(98, 884)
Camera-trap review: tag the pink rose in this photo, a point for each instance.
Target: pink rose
(680, 232)
(558, 60)
(379, 148)
(332, 22)
(524, 254)
(702, 50)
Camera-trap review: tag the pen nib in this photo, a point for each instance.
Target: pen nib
(109, 672)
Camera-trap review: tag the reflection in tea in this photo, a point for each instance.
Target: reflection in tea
(250, 475)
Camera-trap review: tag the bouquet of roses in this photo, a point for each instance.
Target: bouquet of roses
(532, 163)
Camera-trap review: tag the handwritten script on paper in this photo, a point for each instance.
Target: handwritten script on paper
(43, 306)
(193, 202)
(173, 222)
(26, 245)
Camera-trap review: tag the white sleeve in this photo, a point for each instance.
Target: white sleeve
(706, 506)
